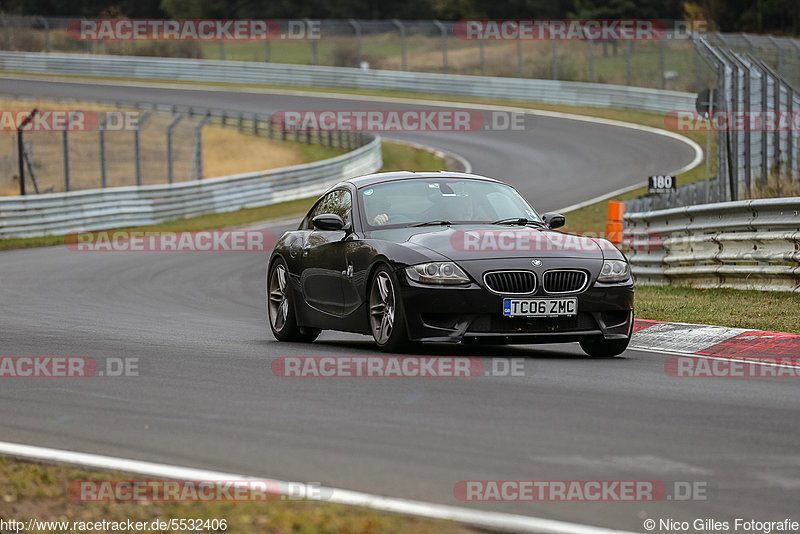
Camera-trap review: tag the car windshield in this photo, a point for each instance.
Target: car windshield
(441, 201)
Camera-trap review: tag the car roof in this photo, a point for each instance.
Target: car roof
(381, 177)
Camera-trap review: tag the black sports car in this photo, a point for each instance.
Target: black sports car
(412, 257)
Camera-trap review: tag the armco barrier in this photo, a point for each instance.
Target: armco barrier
(59, 213)
(748, 244)
(204, 70)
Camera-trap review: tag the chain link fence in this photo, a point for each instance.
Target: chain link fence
(126, 144)
(758, 144)
(432, 46)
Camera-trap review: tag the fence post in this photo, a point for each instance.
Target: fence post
(519, 58)
(46, 34)
(555, 59)
(171, 126)
(402, 29)
(481, 44)
(101, 132)
(65, 147)
(357, 29)
(197, 164)
(627, 62)
(314, 43)
(21, 151)
(590, 44)
(662, 62)
(136, 146)
(443, 31)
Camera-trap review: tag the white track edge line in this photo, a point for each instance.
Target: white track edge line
(491, 520)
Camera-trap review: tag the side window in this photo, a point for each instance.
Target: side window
(338, 202)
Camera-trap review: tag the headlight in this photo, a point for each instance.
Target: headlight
(439, 272)
(614, 271)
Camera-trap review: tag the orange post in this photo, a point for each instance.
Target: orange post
(614, 225)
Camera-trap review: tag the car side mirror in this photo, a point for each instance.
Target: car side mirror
(328, 221)
(554, 220)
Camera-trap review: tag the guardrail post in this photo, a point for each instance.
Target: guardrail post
(171, 127)
(402, 29)
(357, 29)
(136, 146)
(443, 31)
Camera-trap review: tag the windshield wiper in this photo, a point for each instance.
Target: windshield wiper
(432, 223)
(521, 221)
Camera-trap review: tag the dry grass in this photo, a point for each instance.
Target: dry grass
(225, 151)
(30, 490)
(777, 185)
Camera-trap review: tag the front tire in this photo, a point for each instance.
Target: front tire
(387, 320)
(604, 348)
(280, 309)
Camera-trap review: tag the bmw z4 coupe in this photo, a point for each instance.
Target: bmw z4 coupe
(445, 257)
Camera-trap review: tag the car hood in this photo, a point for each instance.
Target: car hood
(461, 243)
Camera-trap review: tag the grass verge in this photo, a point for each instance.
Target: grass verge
(32, 490)
(755, 310)
(395, 157)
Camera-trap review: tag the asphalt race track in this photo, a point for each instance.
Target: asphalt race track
(207, 397)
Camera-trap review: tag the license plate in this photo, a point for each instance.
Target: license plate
(540, 307)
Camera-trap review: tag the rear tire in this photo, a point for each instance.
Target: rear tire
(604, 348)
(387, 319)
(280, 309)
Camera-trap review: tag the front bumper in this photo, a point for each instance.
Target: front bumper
(473, 314)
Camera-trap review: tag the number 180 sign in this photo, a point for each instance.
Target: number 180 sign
(661, 184)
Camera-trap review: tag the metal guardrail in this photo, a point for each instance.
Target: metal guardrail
(96, 209)
(201, 70)
(748, 244)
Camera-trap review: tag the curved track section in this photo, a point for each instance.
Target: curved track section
(207, 398)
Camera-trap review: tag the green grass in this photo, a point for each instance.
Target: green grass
(31, 490)
(757, 310)
(395, 157)
(399, 157)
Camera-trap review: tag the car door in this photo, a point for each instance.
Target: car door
(323, 259)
